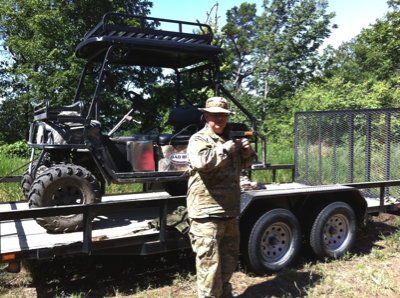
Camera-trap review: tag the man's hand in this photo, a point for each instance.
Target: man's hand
(230, 146)
(244, 144)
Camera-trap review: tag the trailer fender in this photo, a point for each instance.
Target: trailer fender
(302, 200)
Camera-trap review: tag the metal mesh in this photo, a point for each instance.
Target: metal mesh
(338, 147)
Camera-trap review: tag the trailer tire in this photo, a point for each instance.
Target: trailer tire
(334, 230)
(64, 185)
(27, 179)
(274, 241)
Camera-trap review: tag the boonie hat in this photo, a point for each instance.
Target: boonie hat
(216, 104)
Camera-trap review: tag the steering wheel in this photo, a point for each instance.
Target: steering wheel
(138, 103)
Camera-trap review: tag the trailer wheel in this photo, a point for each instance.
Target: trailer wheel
(64, 185)
(333, 231)
(27, 179)
(274, 241)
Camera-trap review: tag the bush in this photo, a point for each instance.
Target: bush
(18, 149)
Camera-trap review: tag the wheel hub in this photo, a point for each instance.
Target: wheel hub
(335, 231)
(276, 241)
(66, 199)
(66, 195)
(272, 240)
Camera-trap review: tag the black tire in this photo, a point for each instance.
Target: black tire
(274, 242)
(334, 230)
(27, 179)
(64, 185)
(176, 188)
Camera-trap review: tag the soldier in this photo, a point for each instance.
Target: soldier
(213, 201)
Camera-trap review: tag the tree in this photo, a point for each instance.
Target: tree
(41, 37)
(378, 47)
(337, 94)
(15, 112)
(239, 33)
(360, 74)
(342, 62)
(274, 54)
(286, 50)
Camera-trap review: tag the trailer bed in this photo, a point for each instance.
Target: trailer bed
(26, 235)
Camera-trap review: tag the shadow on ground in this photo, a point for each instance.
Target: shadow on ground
(382, 225)
(292, 284)
(105, 276)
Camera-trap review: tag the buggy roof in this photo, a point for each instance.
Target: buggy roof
(141, 44)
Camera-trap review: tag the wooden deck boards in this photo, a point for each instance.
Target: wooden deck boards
(26, 234)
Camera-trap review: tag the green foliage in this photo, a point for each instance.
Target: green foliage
(278, 48)
(392, 241)
(286, 49)
(124, 188)
(342, 63)
(335, 94)
(41, 37)
(380, 45)
(15, 116)
(17, 150)
(277, 154)
(273, 55)
(239, 35)
(10, 191)
(360, 74)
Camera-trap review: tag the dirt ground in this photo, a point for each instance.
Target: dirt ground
(369, 270)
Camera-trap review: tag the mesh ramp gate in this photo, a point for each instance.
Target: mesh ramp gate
(351, 146)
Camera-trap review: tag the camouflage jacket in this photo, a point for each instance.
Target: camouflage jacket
(214, 188)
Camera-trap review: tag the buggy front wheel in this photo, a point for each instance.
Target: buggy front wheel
(63, 185)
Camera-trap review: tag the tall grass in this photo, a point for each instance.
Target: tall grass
(276, 155)
(11, 191)
(124, 188)
(336, 164)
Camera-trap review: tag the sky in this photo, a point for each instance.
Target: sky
(351, 15)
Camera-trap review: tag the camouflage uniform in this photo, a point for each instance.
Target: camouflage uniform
(213, 203)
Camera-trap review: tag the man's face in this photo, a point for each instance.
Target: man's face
(216, 121)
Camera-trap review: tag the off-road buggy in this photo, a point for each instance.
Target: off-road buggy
(77, 159)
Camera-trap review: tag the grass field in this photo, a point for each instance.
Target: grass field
(11, 191)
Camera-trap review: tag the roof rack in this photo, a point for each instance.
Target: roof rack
(141, 42)
(144, 28)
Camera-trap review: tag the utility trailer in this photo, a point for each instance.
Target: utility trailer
(321, 205)
(339, 157)
(273, 223)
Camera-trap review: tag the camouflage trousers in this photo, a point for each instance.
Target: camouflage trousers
(216, 244)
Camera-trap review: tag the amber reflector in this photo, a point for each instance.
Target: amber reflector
(8, 257)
